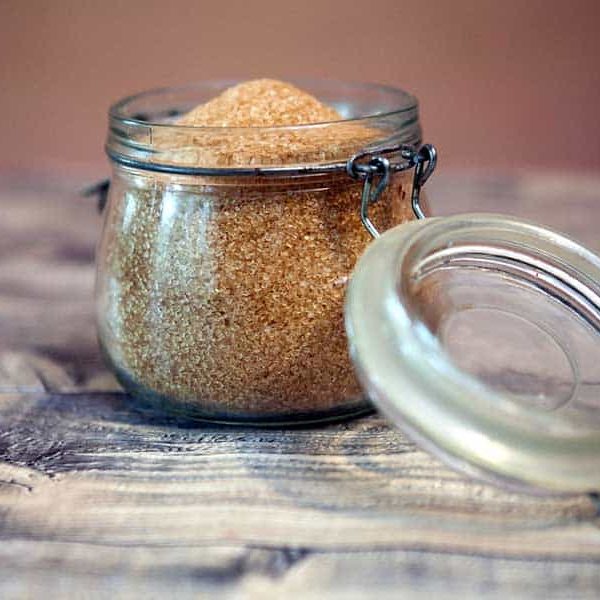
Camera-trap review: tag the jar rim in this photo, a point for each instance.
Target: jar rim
(122, 109)
(142, 132)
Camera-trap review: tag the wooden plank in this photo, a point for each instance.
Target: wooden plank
(98, 497)
(37, 570)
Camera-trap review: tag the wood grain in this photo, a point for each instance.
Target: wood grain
(100, 500)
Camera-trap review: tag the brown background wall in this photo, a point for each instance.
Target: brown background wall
(511, 83)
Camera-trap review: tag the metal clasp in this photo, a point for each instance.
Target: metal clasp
(426, 162)
(374, 166)
(378, 168)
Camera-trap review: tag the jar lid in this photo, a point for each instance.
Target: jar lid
(479, 336)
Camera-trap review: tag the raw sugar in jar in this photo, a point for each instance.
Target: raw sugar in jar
(234, 219)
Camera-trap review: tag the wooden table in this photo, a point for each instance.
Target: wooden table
(97, 500)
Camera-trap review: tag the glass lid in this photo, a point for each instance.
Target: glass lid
(479, 336)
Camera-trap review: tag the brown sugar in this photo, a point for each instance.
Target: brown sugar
(225, 295)
(261, 123)
(260, 103)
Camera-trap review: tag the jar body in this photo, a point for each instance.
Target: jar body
(223, 301)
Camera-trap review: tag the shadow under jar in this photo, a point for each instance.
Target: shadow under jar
(225, 252)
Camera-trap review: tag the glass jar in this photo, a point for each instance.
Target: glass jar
(225, 253)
